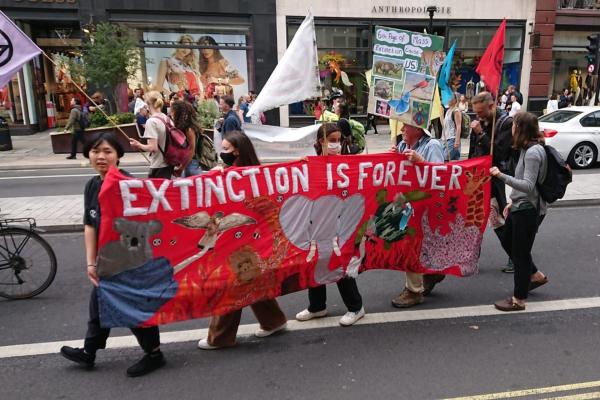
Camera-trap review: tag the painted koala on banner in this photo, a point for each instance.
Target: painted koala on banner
(321, 226)
(131, 250)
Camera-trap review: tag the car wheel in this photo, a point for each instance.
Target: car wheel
(583, 155)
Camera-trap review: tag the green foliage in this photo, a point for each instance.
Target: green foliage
(208, 112)
(110, 56)
(122, 118)
(97, 119)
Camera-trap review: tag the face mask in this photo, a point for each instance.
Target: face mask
(228, 158)
(334, 147)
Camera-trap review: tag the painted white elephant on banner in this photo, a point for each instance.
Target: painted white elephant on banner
(321, 226)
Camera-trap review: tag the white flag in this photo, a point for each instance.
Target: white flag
(15, 49)
(296, 77)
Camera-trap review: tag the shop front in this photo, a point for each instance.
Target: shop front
(188, 51)
(345, 36)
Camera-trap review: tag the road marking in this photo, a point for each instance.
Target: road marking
(58, 176)
(34, 349)
(581, 396)
(537, 391)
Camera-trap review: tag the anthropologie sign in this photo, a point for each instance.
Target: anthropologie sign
(405, 66)
(410, 9)
(171, 250)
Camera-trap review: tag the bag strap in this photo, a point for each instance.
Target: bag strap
(167, 126)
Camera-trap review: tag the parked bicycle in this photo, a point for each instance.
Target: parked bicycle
(27, 261)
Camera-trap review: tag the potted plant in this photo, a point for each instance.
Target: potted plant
(61, 142)
(207, 113)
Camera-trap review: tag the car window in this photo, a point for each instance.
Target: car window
(559, 116)
(591, 120)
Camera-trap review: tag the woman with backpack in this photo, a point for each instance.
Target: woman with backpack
(202, 154)
(156, 135)
(329, 143)
(452, 129)
(526, 209)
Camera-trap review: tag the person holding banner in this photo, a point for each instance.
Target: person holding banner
(329, 143)
(526, 210)
(238, 151)
(104, 153)
(418, 146)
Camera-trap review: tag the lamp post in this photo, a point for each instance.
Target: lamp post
(431, 10)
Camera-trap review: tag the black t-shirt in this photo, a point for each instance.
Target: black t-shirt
(91, 214)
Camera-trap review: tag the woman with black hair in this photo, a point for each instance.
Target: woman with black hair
(238, 151)
(104, 152)
(329, 142)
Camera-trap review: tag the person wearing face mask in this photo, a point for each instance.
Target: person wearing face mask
(238, 151)
(329, 143)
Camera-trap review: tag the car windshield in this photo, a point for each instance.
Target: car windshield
(559, 116)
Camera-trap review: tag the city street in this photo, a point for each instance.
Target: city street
(390, 354)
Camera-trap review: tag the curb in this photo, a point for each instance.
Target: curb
(62, 166)
(560, 204)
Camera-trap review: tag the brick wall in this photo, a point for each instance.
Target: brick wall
(541, 64)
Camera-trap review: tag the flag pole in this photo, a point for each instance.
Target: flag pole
(95, 105)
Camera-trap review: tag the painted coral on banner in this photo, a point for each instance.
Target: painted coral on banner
(173, 250)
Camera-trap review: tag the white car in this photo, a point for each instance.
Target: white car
(575, 133)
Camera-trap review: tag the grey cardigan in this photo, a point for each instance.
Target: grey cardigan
(531, 168)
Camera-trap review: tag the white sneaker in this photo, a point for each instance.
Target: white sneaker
(260, 333)
(204, 345)
(305, 315)
(351, 317)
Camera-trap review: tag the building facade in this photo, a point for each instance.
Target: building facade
(344, 29)
(227, 49)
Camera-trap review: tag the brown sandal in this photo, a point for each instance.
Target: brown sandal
(508, 305)
(536, 284)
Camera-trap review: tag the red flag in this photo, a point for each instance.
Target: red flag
(490, 65)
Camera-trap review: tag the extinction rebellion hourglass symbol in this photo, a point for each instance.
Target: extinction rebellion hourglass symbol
(6, 49)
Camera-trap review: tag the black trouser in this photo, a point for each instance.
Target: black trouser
(371, 123)
(317, 296)
(76, 136)
(517, 237)
(165, 172)
(95, 337)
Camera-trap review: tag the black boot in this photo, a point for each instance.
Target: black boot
(79, 356)
(429, 282)
(147, 364)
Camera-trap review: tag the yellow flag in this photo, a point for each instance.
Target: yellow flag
(436, 106)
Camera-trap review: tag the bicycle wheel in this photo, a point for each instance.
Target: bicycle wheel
(27, 263)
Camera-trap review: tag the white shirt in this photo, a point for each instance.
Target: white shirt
(514, 108)
(551, 106)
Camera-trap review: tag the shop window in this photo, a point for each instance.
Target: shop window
(348, 47)
(201, 62)
(564, 65)
(471, 44)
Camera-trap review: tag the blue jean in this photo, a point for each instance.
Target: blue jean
(454, 153)
(193, 168)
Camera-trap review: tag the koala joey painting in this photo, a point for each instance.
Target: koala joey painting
(131, 250)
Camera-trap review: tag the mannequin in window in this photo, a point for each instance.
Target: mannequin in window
(470, 91)
(480, 87)
(574, 85)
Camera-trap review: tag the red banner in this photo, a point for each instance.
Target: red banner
(173, 250)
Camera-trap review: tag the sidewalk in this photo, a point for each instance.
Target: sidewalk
(35, 151)
(65, 214)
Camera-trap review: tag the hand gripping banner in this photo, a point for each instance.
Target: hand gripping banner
(173, 250)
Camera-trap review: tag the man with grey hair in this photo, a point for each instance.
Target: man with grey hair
(481, 141)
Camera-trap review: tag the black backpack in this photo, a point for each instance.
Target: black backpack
(558, 176)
